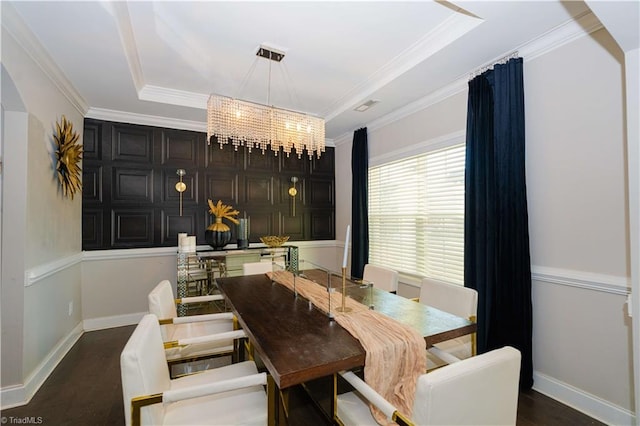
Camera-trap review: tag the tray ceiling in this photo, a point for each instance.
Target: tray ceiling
(164, 58)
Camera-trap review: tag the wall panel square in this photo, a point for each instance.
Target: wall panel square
(293, 226)
(92, 228)
(226, 157)
(257, 189)
(92, 183)
(131, 226)
(133, 185)
(180, 148)
(221, 186)
(322, 224)
(132, 143)
(173, 224)
(91, 138)
(256, 161)
(321, 192)
(325, 165)
(261, 223)
(294, 166)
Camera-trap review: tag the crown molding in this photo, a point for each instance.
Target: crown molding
(145, 120)
(173, 96)
(434, 98)
(120, 11)
(574, 29)
(156, 121)
(444, 34)
(12, 22)
(581, 26)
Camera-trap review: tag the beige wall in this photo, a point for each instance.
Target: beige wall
(40, 226)
(576, 165)
(117, 286)
(576, 177)
(576, 184)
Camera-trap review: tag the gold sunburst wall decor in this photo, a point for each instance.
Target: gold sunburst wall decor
(68, 156)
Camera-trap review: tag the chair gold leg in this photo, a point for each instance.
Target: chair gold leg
(138, 402)
(278, 403)
(474, 340)
(334, 401)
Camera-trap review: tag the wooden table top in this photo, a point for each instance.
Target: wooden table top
(298, 343)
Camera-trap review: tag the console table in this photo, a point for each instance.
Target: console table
(202, 267)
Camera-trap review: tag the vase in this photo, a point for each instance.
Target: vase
(243, 234)
(217, 235)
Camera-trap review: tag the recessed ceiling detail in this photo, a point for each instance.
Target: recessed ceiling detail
(163, 58)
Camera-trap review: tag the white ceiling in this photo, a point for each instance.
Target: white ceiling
(163, 58)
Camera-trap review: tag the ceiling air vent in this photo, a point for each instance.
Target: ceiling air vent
(365, 106)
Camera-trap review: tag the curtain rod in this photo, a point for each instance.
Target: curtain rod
(489, 66)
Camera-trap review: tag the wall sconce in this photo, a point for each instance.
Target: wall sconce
(181, 186)
(293, 192)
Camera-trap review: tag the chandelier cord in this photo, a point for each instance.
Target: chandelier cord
(269, 86)
(291, 89)
(245, 79)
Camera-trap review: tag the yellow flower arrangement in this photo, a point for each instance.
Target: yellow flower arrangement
(221, 211)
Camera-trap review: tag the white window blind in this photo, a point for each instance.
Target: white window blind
(416, 214)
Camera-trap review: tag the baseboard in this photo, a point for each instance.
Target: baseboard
(17, 395)
(580, 400)
(102, 323)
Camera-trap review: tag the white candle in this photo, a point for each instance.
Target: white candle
(346, 247)
(182, 240)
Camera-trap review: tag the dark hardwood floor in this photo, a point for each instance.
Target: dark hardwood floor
(85, 389)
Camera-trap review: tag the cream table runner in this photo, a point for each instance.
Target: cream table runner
(396, 354)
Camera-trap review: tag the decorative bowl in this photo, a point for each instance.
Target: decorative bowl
(274, 240)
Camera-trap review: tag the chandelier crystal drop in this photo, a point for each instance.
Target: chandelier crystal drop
(253, 125)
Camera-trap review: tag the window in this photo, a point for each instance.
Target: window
(416, 214)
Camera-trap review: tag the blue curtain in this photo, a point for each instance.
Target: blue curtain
(359, 203)
(496, 248)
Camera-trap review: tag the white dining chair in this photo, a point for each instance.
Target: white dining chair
(254, 268)
(482, 390)
(232, 394)
(383, 278)
(205, 328)
(457, 300)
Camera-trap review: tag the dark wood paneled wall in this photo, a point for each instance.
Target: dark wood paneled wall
(129, 198)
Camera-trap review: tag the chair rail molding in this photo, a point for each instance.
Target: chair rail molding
(604, 283)
(40, 272)
(133, 253)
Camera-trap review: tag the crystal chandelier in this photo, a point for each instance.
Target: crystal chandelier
(253, 125)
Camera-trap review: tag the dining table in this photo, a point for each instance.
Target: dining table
(297, 342)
